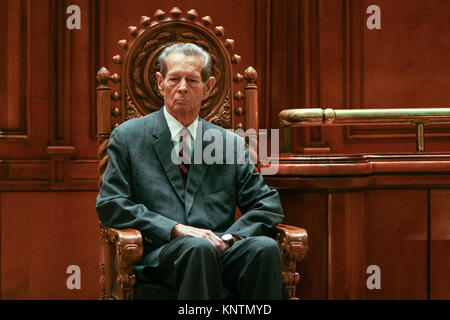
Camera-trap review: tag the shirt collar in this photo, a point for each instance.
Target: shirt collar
(175, 126)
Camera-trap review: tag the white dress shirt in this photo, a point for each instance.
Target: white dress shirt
(175, 128)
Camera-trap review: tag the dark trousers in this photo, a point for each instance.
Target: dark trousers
(249, 269)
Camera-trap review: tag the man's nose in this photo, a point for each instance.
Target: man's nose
(182, 88)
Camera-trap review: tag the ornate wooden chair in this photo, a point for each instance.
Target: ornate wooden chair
(232, 104)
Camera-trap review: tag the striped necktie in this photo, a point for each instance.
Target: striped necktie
(184, 154)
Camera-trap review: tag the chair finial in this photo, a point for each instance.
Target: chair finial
(192, 14)
(103, 76)
(132, 30)
(229, 43)
(220, 31)
(145, 21)
(236, 59)
(123, 44)
(175, 12)
(207, 20)
(251, 75)
(117, 59)
(159, 14)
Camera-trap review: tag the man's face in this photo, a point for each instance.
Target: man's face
(182, 88)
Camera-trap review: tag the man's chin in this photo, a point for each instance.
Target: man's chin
(182, 111)
(181, 104)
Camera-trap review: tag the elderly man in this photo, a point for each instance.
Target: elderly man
(186, 210)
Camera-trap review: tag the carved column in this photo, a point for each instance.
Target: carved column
(103, 120)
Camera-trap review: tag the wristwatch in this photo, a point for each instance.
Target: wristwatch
(228, 239)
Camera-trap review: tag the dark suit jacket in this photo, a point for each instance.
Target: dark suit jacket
(143, 189)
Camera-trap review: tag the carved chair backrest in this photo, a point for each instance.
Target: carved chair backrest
(231, 104)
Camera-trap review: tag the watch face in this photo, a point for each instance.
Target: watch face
(227, 237)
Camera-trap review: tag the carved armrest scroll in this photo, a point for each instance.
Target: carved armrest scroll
(293, 242)
(124, 248)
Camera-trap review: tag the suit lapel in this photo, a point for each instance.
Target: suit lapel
(163, 146)
(197, 170)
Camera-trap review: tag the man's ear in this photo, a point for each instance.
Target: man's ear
(209, 86)
(160, 79)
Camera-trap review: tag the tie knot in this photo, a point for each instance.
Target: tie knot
(184, 133)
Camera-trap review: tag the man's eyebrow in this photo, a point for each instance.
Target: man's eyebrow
(191, 74)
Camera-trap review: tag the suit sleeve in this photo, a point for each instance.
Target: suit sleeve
(115, 204)
(260, 206)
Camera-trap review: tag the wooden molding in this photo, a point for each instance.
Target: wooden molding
(357, 172)
(58, 173)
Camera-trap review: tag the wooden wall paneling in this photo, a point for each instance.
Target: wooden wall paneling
(396, 241)
(288, 56)
(16, 150)
(385, 228)
(60, 71)
(308, 210)
(14, 122)
(406, 61)
(346, 246)
(279, 96)
(98, 22)
(400, 65)
(263, 49)
(393, 67)
(40, 61)
(333, 88)
(379, 211)
(39, 242)
(315, 140)
(356, 77)
(87, 55)
(60, 148)
(295, 68)
(299, 74)
(439, 244)
(4, 58)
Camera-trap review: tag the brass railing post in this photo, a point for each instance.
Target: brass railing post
(287, 147)
(420, 137)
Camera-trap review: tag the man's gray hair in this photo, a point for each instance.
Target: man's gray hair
(188, 49)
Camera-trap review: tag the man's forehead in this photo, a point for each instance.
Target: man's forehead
(182, 68)
(178, 60)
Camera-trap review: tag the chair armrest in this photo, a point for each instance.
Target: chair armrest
(129, 239)
(293, 242)
(121, 250)
(129, 249)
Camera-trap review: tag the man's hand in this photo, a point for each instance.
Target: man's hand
(183, 230)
